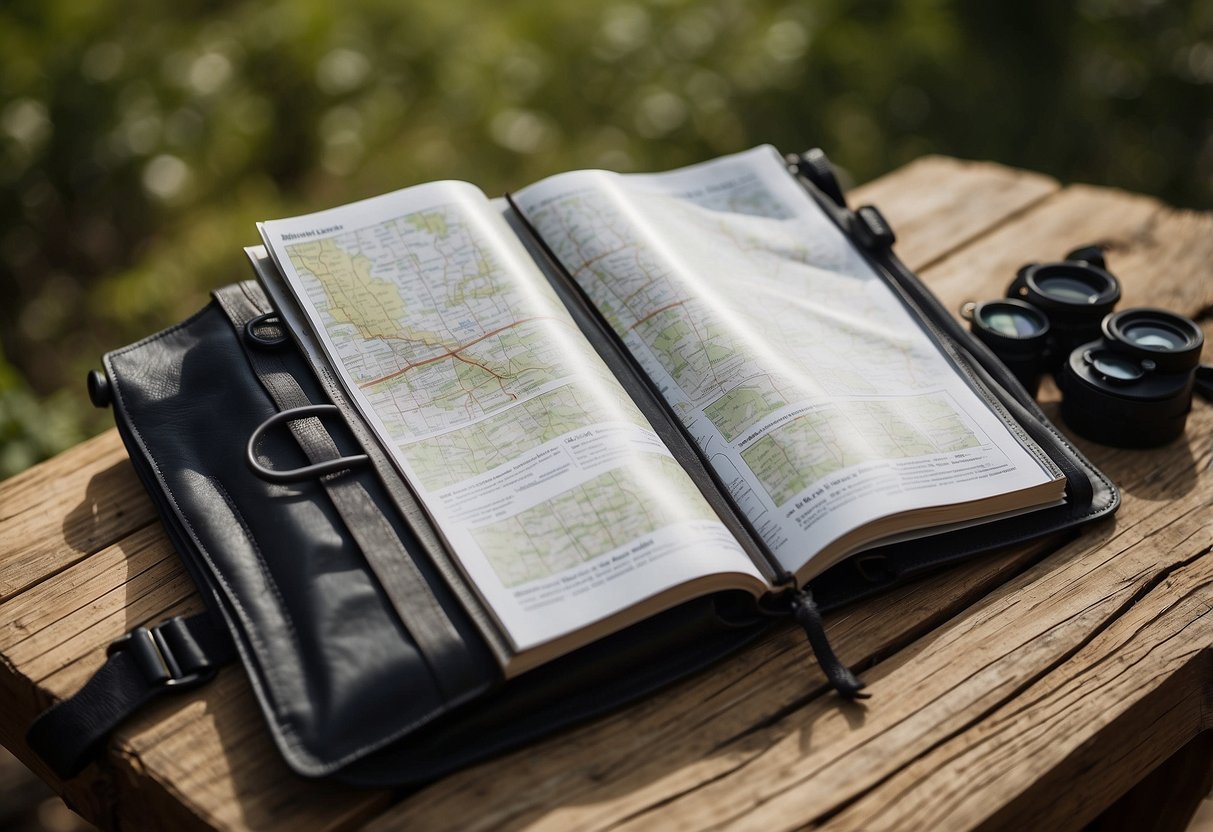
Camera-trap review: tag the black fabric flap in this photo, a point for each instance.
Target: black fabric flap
(336, 671)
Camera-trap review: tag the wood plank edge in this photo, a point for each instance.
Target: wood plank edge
(849, 640)
(83, 556)
(1006, 219)
(1025, 685)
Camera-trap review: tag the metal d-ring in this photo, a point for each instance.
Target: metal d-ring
(251, 334)
(307, 472)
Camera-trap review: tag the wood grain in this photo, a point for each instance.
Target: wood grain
(649, 754)
(938, 205)
(60, 512)
(1016, 673)
(817, 758)
(1160, 255)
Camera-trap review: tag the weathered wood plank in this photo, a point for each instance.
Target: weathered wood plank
(1160, 255)
(53, 637)
(600, 773)
(60, 512)
(210, 762)
(816, 757)
(938, 205)
(1068, 746)
(820, 759)
(206, 759)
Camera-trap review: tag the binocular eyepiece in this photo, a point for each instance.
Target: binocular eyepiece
(1126, 378)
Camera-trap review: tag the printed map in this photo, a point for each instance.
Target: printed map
(470, 368)
(523, 447)
(744, 405)
(794, 455)
(437, 337)
(736, 293)
(458, 455)
(590, 520)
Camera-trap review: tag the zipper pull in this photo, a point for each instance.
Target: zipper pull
(804, 610)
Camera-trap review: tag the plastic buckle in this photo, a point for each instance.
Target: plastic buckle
(158, 661)
(872, 229)
(815, 166)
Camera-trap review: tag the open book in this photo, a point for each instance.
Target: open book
(827, 416)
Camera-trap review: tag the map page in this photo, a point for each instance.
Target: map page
(561, 504)
(812, 391)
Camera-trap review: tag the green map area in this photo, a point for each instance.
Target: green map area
(432, 327)
(453, 457)
(590, 520)
(744, 405)
(795, 455)
(739, 287)
(699, 354)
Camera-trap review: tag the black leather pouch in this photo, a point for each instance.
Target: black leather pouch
(349, 649)
(372, 659)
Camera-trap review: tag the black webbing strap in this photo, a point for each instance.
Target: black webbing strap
(406, 589)
(175, 655)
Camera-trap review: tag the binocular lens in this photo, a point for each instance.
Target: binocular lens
(1077, 291)
(1115, 368)
(1071, 288)
(1016, 332)
(1132, 387)
(1170, 342)
(1155, 336)
(1012, 321)
(1075, 295)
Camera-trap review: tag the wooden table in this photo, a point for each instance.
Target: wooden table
(1029, 690)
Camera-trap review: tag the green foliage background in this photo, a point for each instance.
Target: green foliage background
(140, 140)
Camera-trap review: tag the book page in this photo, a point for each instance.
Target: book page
(559, 501)
(810, 388)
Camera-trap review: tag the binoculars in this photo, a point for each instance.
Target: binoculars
(1126, 378)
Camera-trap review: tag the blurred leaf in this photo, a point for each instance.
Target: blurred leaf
(139, 141)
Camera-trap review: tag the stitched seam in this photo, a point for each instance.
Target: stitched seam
(260, 648)
(261, 564)
(246, 289)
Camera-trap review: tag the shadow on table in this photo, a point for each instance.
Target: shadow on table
(99, 518)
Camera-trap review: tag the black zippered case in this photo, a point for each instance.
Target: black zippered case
(372, 659)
